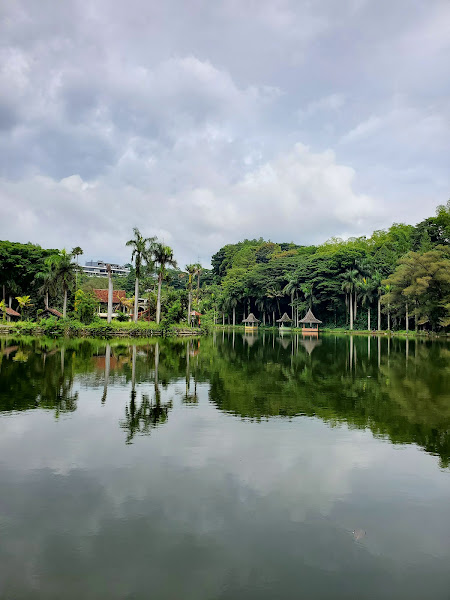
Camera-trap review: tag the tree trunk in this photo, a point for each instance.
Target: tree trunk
(223, 319)
(234, 316)
(189, 308)
(110, 297)
(389, 319)
(158, 300)
(379, 314)
(368, 318)
(273, 318)
(355, 308)
(292, 306)
(46, 300)
(65, 303)
(136, 299)
(351, 314)
(407, 318)
(264, 317)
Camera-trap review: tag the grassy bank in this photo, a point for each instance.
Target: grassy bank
(98, 329)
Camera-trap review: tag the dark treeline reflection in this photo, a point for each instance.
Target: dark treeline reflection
(398, 388)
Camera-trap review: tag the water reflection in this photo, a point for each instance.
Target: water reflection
(397, 388)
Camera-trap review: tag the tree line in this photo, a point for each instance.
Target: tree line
(398, 278)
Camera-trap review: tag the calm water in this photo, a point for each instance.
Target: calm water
(229, 467)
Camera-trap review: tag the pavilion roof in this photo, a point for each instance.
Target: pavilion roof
(11, 312)
(285, 319)
(309, 318)
(251, 319)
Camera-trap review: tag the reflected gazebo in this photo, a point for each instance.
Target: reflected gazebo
(310, 343)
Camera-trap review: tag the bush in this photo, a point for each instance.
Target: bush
(85, 306)
(25, 328)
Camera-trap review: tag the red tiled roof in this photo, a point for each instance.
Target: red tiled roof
(54, 312)
(102, 295)
(11, 312)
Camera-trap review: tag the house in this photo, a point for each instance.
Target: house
(52, 312)
(12, 315)
(117, 301)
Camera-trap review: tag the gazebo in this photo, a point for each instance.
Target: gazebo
(310, 325)
(251, 322)
(285, 319)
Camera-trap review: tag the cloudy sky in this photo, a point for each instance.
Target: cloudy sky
(207, 122)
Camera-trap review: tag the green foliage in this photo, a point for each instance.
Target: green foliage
(85, 306)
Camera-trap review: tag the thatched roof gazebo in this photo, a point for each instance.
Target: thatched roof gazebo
(285, 319)
(251, 321)
(309, 323)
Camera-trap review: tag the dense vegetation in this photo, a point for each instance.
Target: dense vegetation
(397, 278)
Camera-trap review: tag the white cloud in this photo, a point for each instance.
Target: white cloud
(300, 196)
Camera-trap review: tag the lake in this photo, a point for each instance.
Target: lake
(227, 467)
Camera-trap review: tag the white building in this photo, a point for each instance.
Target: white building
(97, 268)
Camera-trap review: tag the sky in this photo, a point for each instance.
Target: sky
(205, 123)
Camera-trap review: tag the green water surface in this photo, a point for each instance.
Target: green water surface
(229, 467)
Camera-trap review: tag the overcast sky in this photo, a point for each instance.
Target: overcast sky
(206, 122)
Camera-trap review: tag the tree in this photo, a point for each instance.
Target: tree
(141, 253)
(191, 271)
(163, 256)
(348, 286)
(63, 273)
(24, 303)
(367, 297)
(77, 251)
(423, 281)
(3, 309)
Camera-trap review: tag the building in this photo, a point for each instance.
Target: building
(310, 325)
(285, 320)
(119, 296)
(251, 322)
(98, 268)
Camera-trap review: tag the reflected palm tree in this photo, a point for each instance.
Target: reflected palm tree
(107, 369)
(140, 420)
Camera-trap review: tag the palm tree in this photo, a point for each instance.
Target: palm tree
(293, 287)
(198, 272)
(307, 289)
(163, 256)
(367, 297)
(77, 251)
(47, 284)
(141, 253)
(24, 303)
(348, 286)
(276, 294)
(192, 272)
(63, 273)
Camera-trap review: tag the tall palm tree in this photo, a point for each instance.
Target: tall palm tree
(367, 289)
(308, 291)
(198, 272)
(63, 271)
(348, 286)
(141, 253)
(77, 251)
(162, 256)
(275, 293)
(192, 272)
(45, 277)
